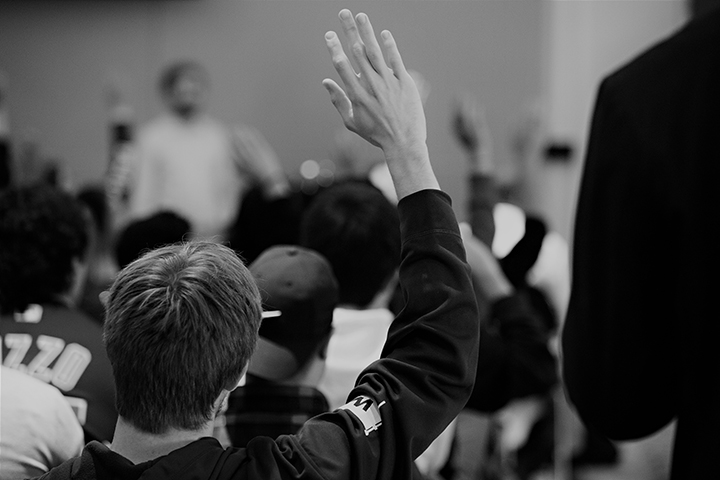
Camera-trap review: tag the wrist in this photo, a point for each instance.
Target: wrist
(410, 169)
(481, 161)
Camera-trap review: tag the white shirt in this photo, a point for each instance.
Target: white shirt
(39, 428)
(357, 340)
(190, 168)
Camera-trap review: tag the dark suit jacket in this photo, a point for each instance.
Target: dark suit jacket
(640, 342)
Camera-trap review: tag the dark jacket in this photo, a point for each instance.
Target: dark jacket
(402, 402)
(640, 339)
(64, 348)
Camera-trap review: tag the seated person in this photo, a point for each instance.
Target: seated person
(43, 252)
(517, 327)
(264, 222)
(182, 323)
(157, 230)
(39, 428)
(299, 293)
(357, 229)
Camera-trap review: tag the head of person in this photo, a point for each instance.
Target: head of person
(299, 294)
(162, 228)
(357, 229)
(184, 88)
(181, 325)
(44, 235)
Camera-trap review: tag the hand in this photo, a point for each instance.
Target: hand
(471, 130)
(258, 156)
(381, 103)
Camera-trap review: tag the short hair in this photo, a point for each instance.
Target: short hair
(175, 71)
(181, 324)
(358, 230)
(160, 229)
(42, 230)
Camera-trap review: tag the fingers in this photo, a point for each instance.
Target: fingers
(341, 62)
(372, 47)
(393, 55)
(349, 27)
(365, 48)
(340, 100)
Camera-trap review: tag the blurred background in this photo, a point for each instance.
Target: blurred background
(73, 69)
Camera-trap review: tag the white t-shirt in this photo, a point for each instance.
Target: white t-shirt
(39, 428)
(357, 340)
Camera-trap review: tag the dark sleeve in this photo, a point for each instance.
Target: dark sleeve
(5, 163)
(619, 357)
(483, 196)
(425, 376)
(514, 360)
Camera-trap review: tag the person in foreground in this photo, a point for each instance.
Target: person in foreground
(182, 322)
(640, 338)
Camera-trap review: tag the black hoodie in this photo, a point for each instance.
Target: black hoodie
(400, 403)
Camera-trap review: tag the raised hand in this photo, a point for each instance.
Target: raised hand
(381, 102)
(471, 130)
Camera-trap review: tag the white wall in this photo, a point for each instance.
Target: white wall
(584, 41)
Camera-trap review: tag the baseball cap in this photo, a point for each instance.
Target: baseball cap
(299, 293)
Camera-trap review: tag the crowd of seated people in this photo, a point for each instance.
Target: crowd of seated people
(342, 333)
(317, 335)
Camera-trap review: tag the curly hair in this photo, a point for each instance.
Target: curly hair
(42, 229)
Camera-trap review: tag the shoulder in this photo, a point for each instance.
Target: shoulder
(687, 55)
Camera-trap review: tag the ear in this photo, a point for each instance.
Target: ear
(237, 382)
(104, 296)
(322, 352)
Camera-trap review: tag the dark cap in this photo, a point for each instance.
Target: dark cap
(299, 293)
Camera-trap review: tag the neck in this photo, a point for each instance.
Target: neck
(138, 446)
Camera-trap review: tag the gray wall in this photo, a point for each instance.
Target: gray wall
(266, 59)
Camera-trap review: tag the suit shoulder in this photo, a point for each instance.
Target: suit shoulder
(690, 52)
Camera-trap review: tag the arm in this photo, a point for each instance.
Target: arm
(472, 133)
(404, 400)
(514, 360)
(619, 342)
(255, 157)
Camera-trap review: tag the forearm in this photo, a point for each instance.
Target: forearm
(483, 196)
(428, 365)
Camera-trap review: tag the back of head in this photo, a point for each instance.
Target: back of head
(42, 231)
(160, 229)
(180, 327)
(299, 294)
(357, 229)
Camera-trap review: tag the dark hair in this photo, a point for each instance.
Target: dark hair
(181, 324)
(357, 229)
(93, 196)
(160, 229)
(175, 71)
(42, 229)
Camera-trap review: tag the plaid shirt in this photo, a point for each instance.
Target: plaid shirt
(266, 409)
